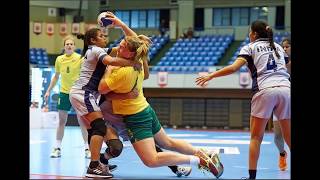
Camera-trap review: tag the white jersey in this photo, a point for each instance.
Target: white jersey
(92, 69)
(267, 70)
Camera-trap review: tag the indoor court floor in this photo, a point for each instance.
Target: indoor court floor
(232, 145)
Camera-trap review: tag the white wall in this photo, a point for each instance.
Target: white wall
(188, 81)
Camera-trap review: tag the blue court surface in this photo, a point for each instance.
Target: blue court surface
(233, 145)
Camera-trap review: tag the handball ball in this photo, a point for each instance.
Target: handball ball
(103, 21)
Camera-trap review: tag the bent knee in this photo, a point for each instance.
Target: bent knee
(150, 162)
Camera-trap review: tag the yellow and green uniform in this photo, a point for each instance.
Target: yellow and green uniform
(69, 69)
(139, 117)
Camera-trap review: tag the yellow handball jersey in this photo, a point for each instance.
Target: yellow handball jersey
(69, 69)
(122, 80)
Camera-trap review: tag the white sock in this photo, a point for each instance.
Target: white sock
(58, 144)
(194, 161)
(86, 146)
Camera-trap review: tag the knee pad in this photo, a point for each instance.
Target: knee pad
(98, 127)
(115, 147)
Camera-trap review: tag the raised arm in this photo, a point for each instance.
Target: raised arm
(117, 22)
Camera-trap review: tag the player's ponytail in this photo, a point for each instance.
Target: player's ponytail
(270, 39)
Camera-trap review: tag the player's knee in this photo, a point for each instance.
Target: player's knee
(115, 147)
(150, 162)
(98, 127)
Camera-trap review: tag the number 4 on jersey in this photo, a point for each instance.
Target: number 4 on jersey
(271, 63)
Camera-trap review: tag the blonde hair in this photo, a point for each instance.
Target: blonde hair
(140, 45)
(69, 37)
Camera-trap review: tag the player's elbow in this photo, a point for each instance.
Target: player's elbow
(102, 88)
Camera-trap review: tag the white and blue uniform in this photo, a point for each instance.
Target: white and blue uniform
(270, 79)
(84, 93)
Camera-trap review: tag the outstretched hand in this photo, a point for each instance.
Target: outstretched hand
(201, 81)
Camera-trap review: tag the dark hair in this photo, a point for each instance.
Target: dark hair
(91, 33)
(264, 31)
(286, 40)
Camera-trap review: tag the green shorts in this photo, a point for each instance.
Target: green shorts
(64, 102)
(142, 125)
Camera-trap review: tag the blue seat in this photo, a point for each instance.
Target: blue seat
(182, 53)
(213, 48)
(173, 63)
(199, 69)
(181, 63)
(199, 58)
(171, 59)
(164, 58)
(214, 59)
(175, 54)
(213, 39)
(207, 49)
(185, 59)
(163, 69)
(193, 49)
(39, 58)
(195, 63)
(196, 44)
(183, 44)
(170, 69)
(156, 68)
(192, 58)
(166, 63)
(199, 48)
(210, 53)
(189, 45)
(32, 52)
(221, 49)
(179, 58)
(203, 54)
(203, 44)
(196, 53)
(188, 63)
(224, 44)
(210, 63)
(184, 69)
(178, 49)
(177, 69)
(189, 54)
(186, 49)
(217, 44)
(207, 59)
(161, 63)
(192, 69)
(203, 63)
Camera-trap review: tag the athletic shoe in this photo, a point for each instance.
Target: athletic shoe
(283, 162)
(101, 171)
(210, 164)
(183, 170)
(56, 153)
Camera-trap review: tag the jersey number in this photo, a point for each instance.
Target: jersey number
(271, 63)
